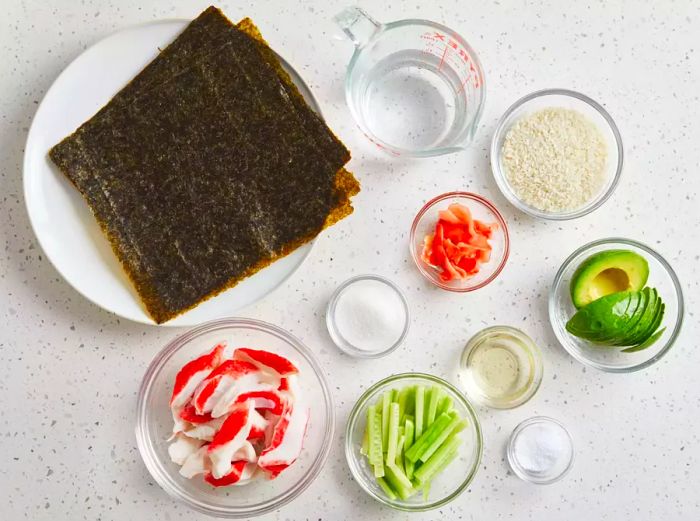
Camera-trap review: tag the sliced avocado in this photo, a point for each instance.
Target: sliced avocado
(637, 331)
(621, 321)
(615, 336)
(608, 272)
(647, 343)
(605, 316)
(642, 330)
(647, 333)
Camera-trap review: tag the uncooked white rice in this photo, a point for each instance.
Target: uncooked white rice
(555, 159)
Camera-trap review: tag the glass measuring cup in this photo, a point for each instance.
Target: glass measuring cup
(414, 87)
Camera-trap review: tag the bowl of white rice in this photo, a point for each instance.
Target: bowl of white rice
(556, 154)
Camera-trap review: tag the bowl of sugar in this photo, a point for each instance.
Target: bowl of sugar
(368, 316)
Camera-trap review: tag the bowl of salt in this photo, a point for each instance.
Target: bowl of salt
(540, 450)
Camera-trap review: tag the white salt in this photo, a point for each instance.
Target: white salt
(370, 315)
(543, 449)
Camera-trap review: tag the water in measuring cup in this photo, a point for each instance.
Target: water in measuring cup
(413, 100)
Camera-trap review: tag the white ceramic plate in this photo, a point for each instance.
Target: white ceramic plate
(62, 221)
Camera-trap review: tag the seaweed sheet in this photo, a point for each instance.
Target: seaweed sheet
(207, 167)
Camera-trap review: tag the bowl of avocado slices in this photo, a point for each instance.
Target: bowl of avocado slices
(616, 305)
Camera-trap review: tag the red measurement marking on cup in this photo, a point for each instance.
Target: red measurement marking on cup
(442, 59)
(439, 44)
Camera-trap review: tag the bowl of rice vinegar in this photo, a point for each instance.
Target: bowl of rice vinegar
(501, 367)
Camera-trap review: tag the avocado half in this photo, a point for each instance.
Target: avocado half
(608, 272)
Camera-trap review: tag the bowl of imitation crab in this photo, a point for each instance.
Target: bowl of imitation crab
(165, 398)
(459, 241)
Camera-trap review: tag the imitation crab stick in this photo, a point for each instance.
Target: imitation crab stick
(258, 426)
(189, 414)
(196, 463)
(286, 443)
(241, 471)
(204, 431)
(182, 448)
(264, 399)
(230, 437)
(218, 382)
(193, 373)
(266, 360)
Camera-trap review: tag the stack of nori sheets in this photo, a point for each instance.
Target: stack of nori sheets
(208, 166)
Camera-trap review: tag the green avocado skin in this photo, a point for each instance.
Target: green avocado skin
(625, 318)
(634, 265)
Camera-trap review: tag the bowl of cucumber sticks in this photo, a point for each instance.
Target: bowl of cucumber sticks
(413, 442)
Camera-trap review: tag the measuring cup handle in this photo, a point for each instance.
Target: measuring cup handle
(357, 25)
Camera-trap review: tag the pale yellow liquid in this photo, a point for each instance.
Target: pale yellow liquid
(498, 368)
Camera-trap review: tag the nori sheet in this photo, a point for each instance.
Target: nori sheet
(207, 167)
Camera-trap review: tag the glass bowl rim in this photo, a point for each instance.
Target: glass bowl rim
(504, 185)
(552, 307)
(510, 450)
(538, 366)
(345, 346)
(156, 468)
(360, 405)
(479, 200)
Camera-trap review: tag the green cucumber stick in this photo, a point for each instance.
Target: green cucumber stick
(386, 403)
(449, 458)
(379, 470)
(408, 430)
(428, 470)
(386, 488)
(374, 432)
(402, 399)
(426, 406)
(409, 466)
(455, 425)
(408, 441)
(420, 409)
(364, 448)
(399, 481)
(410, 400)
(436, 395)
(429, 436)
(393, 436)
(445, 404)
(399, 451)
(426, 491)
(394, 395)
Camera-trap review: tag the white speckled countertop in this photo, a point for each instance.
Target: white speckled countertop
(69, 372)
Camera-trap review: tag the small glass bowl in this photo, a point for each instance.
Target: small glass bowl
(539, 478)
(511, 340)
(154, 421)
(451, 482)
(482, 209)
(337, 337)
(611, 359)
(559, 98)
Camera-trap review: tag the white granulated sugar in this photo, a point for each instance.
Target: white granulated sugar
(543, 449)
(555, 159)
(370, 315)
